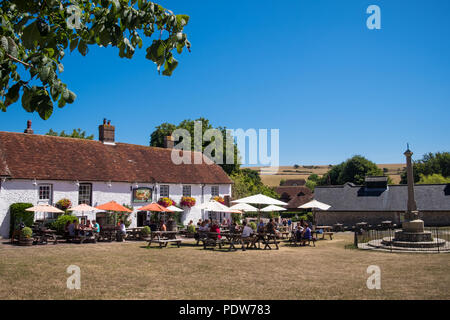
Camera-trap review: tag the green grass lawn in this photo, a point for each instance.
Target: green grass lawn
(331, 270)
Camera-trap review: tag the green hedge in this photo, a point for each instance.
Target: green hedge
(18, 214)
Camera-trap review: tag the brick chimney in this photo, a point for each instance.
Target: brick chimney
(106, 132)
(28, 129)
(169, 142)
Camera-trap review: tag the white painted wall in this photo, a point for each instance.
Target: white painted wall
(13, 191)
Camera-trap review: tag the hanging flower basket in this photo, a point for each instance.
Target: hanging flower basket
(219, 199)
(187, 202)
(63, 204)
(166, 202)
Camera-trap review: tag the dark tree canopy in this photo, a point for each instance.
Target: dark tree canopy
(166, 129)
(34, 36)
(352, 170)
(431, 163)
(76, 133)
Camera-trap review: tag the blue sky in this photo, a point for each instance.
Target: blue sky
(309, 68)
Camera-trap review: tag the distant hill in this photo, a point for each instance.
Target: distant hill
(303, 172)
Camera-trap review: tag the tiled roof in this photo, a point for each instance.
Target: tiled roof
(31, 156)
(294, 183)
(433, 197)
(294, 196)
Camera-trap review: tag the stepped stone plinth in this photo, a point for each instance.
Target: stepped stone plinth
(413, 236)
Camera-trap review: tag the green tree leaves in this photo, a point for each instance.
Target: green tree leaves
(352, 170)
(34, 36)
(432, 163)
(76, 133)
(166, 129)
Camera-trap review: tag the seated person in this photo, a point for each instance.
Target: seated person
(299, 232)
(78, 229)
(88, 228)
(71, 229)
(203, 227)
(246, 230)
(215, 228)
(306, 234)
(95, 226)
(122, 227)
(260, 227)
(66, 228)
(234, 227)
(270, 227)
(162, 226)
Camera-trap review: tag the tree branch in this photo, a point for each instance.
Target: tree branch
(19, 61)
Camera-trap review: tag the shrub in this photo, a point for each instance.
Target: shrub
(287, 215)
(252, 225)
(18, 214)
(60, 223)
(63, 204)
(26, 232)
(191, 228)
(187, 202)
(145, 231)
(235, 217)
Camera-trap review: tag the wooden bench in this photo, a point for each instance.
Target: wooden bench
(328, 233)
(82, 239)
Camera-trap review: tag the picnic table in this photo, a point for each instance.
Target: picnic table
(134, 233)
(232, 238)
(266, 238)
(326, 230)
(83, 235)
(108, 233)
(210, 239)
(42, 236)
(163, 238)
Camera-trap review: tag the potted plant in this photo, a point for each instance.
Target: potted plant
(26, 237)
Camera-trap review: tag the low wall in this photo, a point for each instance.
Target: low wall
(350, 218)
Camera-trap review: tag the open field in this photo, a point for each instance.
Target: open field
(131, 271)
(303, 172)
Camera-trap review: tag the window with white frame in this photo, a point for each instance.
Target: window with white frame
(214, 191)
(186, 191)
(85, 193)
(164, 191)
(45, 193)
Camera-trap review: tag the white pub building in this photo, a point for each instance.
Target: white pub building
(45, 169)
